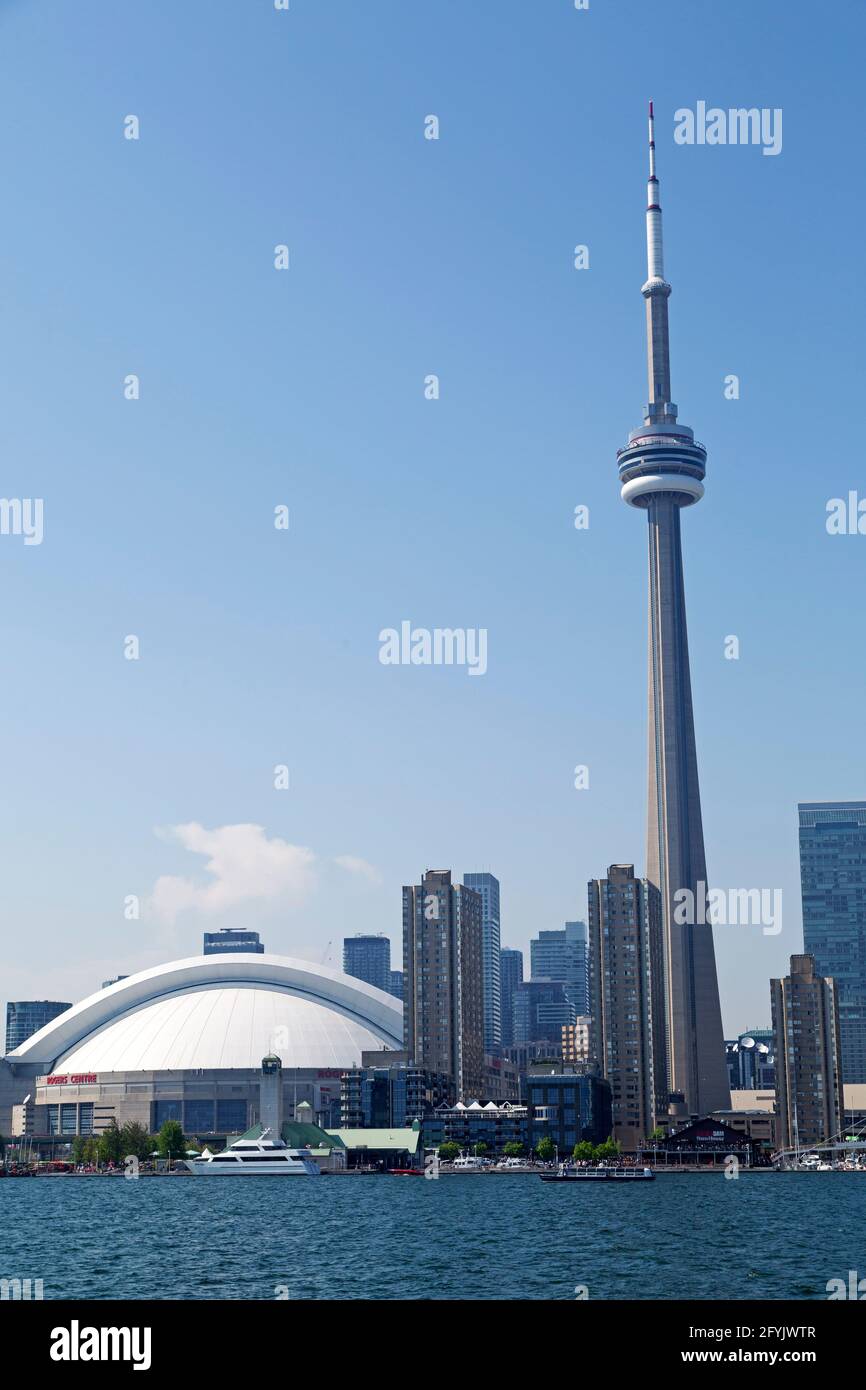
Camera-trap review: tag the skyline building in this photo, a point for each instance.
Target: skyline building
(627, 1038)
(661, 472)
(833, 886)
(229, 940)
(751, 1061)
(809, 1104)
(390, 1095)
(510, 976)
(577, 1040)
(396, 985)
(562, 954)
(367, 957)
(488, 886)
(443, 998)
(24, 1017)
(542, 1009)
(566, 1105)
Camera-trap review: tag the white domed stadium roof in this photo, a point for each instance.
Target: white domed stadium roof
(220, 1013)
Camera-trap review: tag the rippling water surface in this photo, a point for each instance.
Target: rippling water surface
(683, 1236)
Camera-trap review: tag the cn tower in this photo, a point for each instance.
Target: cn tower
(661, 471)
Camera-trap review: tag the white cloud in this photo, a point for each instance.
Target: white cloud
(353, 865)
(245, 866)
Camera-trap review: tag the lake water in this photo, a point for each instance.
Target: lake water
(688, 1236)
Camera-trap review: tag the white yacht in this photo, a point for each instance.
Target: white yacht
(246, 1157)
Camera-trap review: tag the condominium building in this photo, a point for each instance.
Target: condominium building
(627, 1008)
(443, 1006)
(807, 1045)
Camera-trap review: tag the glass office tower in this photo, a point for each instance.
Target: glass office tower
(24, 1017)
(563, 955)
(231, 940)
(368, 958)
(488, 886)
(510, 976)
(833, 883)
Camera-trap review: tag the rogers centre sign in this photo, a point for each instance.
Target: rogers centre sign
(75, 1078)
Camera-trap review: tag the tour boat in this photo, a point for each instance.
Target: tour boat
(247, 1157)
(567, 1174)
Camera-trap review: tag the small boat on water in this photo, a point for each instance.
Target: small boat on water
(255, 1157)
(565, 1173)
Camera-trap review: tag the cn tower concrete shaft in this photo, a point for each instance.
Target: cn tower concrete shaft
(675, 837)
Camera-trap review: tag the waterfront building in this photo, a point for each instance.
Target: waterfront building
(510, 976)
(396, 985)
(627, 986)
(563, 955)
(24, 1017)
(833, 882)
(488, 887)
(185, 1041)
(382, 1148)
(368, 958)
(468, 1125)
(328, 1150)
(808, 1056)
(661, 471)
(757, 1125)
(231, 939)
(751, 1061)
(390, 1096)
(577, 1040)
(541, 1009)
(567, 1106)
(707, 1142)
(443, 1007)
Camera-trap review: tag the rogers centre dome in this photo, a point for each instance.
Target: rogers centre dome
(178, 1040)
(220, 1012)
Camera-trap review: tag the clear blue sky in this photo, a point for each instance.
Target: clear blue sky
(410, 257)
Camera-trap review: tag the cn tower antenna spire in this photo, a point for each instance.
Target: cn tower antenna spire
(656, 292)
